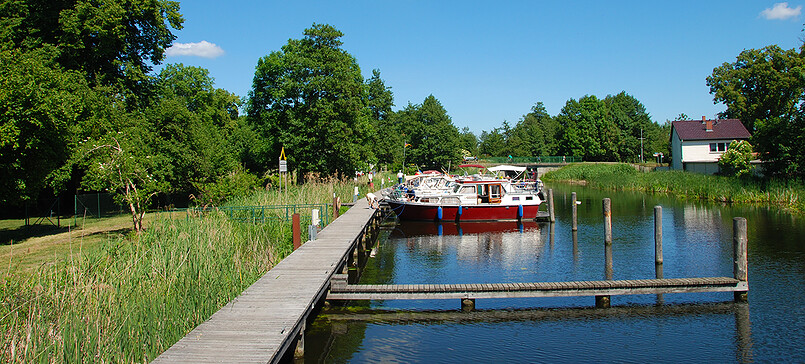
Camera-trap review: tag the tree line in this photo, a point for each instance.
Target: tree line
(83, 110)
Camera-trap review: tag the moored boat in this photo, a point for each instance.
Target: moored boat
(476, 199)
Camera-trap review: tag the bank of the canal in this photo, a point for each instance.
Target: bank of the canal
(675, 327)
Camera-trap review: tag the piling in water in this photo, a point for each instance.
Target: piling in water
(604, 301)
(550, 205)
(739, 249)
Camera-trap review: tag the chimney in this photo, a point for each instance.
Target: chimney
(708, 124)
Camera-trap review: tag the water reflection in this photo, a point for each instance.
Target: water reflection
(704, 327)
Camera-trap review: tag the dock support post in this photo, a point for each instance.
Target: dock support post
(551, 211)
(604, 301)
(299, 352)
(574, 209)
(467, 304)
(297, 231)
(739, 249)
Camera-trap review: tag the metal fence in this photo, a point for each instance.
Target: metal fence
(543, 159)
(257, 214)
(97, 205)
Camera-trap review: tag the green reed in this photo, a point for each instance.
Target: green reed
(776, 192)
(133, 297)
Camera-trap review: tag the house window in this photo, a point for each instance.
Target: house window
(718, 147)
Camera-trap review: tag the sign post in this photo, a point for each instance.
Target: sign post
(283, 165)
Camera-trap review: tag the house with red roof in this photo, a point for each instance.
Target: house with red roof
(696, 146)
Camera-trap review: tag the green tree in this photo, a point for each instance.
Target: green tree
(586, 131)
(309, 99)
(535, 134)
(387, 142)
(492, 143)
(430, 131)
(468, 141)
(40, 105)
(765, 89)
(193, 122)
(761, 84)
(109, 42)
(630, 117)
(735, 161)
(117, 154)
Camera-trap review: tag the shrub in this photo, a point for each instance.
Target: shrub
(735, 161)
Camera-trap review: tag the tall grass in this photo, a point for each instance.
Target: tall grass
(784, 194)
(135, 296)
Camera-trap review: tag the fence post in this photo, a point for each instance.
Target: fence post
(739, 248)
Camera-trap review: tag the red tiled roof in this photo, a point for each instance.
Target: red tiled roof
(722, 129)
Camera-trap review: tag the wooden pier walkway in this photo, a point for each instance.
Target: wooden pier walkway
(262, 324)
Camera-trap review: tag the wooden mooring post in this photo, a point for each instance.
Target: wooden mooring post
(658, 241)
(739, 248)
(658, 248)
(604, 301)
(551, 212)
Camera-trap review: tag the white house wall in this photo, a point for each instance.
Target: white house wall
(699, 151)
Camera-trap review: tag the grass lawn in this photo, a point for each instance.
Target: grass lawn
(24, 248)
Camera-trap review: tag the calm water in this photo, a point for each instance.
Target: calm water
(700, 327)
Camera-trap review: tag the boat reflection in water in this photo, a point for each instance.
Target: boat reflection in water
(488, 246)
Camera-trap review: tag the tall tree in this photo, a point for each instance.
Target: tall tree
(634, 123)
(40, 105)
(761, 84)
(468, 141)
(765, 89)
(586, 131)
(309, 99)
(110, 42)
(387, 142)
(430, 131)
(536, 133)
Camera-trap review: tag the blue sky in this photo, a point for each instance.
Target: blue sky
(492, 61)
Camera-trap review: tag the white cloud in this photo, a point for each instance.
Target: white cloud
(781, 11)
(201, 49)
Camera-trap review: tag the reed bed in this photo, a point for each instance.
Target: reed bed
(135, 296)
(775, 192)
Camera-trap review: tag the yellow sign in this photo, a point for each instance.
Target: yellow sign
(282, 154)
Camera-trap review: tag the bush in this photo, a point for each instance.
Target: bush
(735, 161)
(236, 183)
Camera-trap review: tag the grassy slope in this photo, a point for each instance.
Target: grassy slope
(787, 195)
(103, 294)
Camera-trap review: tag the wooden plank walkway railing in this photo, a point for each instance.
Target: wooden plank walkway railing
(262, 323)
(339, 290)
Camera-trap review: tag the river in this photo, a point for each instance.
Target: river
(692, 327)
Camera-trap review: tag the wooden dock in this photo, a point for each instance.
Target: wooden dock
(269, 317)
